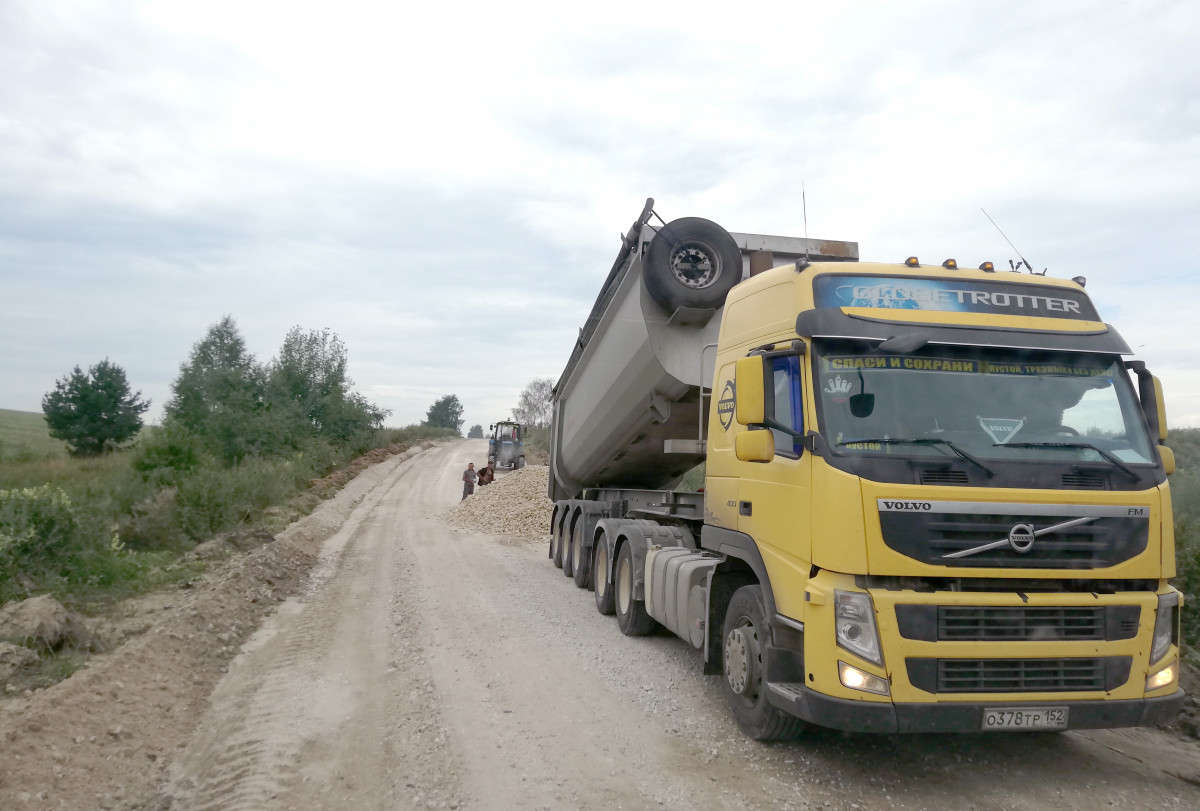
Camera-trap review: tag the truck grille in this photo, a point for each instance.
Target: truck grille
(1066, 537)
(1017, 623)
(1092, 674)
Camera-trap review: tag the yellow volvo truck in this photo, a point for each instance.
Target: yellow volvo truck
(935, 498)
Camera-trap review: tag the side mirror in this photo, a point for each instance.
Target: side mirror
(754, 446)
(1166, 454)
(1162, 409)
(750, 392)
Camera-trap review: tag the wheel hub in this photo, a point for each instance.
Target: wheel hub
(741, 659)
(624, 587)
(694, 267)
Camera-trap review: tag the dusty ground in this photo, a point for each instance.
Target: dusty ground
(376, 657)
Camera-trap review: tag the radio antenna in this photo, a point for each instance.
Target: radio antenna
(804, 208)
(1023, 261)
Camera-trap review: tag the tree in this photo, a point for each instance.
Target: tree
(94, 412)
(308, 381)
(535, 408)
(219, 396)
(446, 413)
(476, 432)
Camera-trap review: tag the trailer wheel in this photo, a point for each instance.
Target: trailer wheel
(631, 612)
(565, 548)
(744, 636)
(581, 569)
(600, 579)
(692, 262)
(556, 542)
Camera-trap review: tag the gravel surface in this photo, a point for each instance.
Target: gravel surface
(378, 656)
(514, 504)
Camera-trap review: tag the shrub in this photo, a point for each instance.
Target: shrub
(37, 526)
(1185, 502)
(215, 499)
(152, 524)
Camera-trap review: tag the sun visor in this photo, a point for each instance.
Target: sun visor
(834, 322)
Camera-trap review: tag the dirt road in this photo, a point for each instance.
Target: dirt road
(423, 666)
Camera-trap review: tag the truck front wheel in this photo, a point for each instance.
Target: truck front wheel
(745, 636)
(631, 612)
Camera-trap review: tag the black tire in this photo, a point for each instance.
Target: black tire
(743, 638)
(601, 580)
(581, 564)
(692, 262)
(631, 612)
(556, 542)
(520, 463)
(565, 547)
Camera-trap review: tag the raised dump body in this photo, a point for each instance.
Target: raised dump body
(644, 361)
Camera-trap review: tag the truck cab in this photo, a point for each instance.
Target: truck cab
(956, 494)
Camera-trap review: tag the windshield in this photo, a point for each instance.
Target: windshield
(988, 403)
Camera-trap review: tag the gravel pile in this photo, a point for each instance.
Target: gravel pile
(514, 504)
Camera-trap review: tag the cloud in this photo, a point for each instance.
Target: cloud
(444, 186)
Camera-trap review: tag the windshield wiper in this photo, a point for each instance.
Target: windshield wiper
(1108, 457)
(926, 441)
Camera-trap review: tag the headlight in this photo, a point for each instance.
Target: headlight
(857, 679)
(1161, 679)
(855, 619)
(1164, 625)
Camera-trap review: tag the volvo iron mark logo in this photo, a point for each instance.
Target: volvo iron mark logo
(1020, 538)
(725, 406)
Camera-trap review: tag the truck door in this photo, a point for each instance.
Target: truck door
(774, 497)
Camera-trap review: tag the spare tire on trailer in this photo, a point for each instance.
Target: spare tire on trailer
(692, 262)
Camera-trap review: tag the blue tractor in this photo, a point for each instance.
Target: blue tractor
(506, 448)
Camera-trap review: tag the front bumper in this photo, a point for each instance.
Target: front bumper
(959, 716)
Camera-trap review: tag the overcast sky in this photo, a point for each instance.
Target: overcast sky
(443, 185)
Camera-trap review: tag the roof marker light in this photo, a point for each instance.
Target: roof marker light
(912, 262)
(1079, 280)
(988, 267)
(950, 264)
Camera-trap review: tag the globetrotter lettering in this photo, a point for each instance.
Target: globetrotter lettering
(891, 294)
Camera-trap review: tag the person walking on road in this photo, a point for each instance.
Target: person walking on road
(469, 479)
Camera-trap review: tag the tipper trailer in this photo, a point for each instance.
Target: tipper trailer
(935, 498)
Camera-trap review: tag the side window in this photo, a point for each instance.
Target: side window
(788, 408)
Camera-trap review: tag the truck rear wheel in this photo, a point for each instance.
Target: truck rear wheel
(744, 637)
(692, 262)
(581, 568)
(565, 548)
(556, 542)
(600, 579)
(631, 612)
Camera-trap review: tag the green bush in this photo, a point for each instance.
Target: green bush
(38, 528)
(215, 499)
(1185, 502)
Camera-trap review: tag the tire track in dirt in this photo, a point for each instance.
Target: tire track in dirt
(301, 720)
